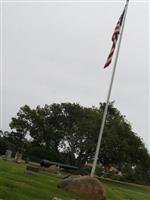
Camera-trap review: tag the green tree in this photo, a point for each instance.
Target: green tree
(80, 128)
(68, 133)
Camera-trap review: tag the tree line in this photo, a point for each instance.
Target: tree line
(68, 133)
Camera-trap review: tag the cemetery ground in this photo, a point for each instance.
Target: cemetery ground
(16, 185)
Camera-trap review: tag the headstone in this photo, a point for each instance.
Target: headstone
(18, 157)
(27, 160)
(8, 154)
(32, 170)
(54, 169)
(84, 186)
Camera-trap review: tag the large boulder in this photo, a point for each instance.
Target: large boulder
(84, 186)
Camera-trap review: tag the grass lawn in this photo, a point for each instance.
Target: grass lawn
(124, 191)
(15, 185)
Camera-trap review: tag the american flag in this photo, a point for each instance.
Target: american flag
(114, 39)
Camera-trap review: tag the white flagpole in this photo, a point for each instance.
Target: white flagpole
(109, 93)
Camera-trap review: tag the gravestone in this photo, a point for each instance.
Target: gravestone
(8, 154)
(54, 169)
(32, 170)
(18, 157)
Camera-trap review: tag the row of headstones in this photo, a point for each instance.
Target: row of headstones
(8, 156)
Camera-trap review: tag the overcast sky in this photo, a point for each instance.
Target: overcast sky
(55, 52)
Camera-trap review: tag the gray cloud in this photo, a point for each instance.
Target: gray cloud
(54, 52)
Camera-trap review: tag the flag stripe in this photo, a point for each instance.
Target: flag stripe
(114, 39)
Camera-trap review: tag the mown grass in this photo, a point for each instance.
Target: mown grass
(16, 185)
(129, 187)
(121, 193)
